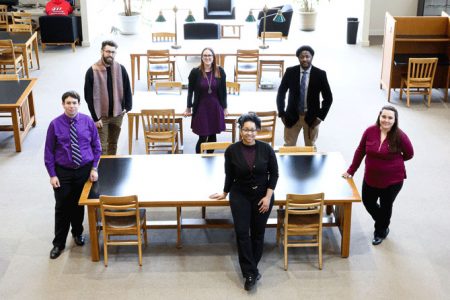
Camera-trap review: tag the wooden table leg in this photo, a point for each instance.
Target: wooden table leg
(136, 120)
(16, 130)
(179, 227)
(31, 107)
(92, 218)
(346, 221)
(132, 57)
(25, 61)
(139, 67)
(130, 133)
(36, 51)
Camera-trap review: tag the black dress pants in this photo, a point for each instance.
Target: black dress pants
(67, 211)
(381, 212)
(249, 225)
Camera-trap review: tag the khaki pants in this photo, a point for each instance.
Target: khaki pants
(291, 134)
(109, 134)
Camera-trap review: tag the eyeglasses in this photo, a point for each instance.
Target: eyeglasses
(109, 52)
(247, 130)
(207, 55)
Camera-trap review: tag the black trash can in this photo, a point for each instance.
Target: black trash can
(352, 30)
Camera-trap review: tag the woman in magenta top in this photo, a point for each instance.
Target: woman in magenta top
(386, 148)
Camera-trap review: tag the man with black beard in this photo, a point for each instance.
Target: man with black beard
(108, 95)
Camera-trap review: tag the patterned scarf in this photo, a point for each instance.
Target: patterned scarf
(100, 89)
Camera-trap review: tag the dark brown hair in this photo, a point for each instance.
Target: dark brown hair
(109, 43)
(71, 94)
(393, 135)
(214, 67)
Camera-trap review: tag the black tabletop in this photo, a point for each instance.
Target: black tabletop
(16, 37)
(11, 90)
(191, 177)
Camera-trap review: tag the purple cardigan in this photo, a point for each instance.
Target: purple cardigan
(383, 168)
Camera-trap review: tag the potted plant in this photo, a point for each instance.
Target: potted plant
(129, 20)
(308, 14)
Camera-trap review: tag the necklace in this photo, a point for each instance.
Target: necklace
(209, 82)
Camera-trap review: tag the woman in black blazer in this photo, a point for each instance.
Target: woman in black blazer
(251, 174)
(207, 84)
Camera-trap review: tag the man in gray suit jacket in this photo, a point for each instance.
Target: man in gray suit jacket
(304, 109)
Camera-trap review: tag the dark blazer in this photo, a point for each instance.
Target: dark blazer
(318, 83)
(238, 174)
(194, 89)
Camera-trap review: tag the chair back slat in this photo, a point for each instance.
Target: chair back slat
(214, 146)
(163, 37)
(297, 149)
(159, 127)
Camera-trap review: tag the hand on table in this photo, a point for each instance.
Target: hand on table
(187, 112)
(346, 175)
(219, 196)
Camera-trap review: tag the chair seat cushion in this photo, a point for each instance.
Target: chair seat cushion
(219, 13)
(159, 68)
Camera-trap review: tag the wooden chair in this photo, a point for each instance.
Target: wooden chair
(296, 149)
(169, 86)
(159, 66)
(233, 87)
(22, 22)
(268, 122)
(122, 216)
(301, 218)
(160, 130)
(4, 17)
(247, 66)
(22, 18)
(420, 76)
(271, 65)
(163, 37)
(8, 57)
(212, 146)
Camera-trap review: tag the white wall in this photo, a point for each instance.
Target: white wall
(378, 9)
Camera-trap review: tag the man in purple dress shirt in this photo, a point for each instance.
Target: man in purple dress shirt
(72, 153)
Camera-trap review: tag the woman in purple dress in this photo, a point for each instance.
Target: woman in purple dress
(207, 84)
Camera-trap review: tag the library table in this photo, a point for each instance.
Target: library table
(23, 40)
(17, 99)
(166, 181)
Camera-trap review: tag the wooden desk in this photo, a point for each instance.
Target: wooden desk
(408, 36)
(195, 50)
(17, 99)
(23, 40)
(298, 174)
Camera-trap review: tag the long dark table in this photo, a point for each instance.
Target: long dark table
(187, 180)
(16, 99)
